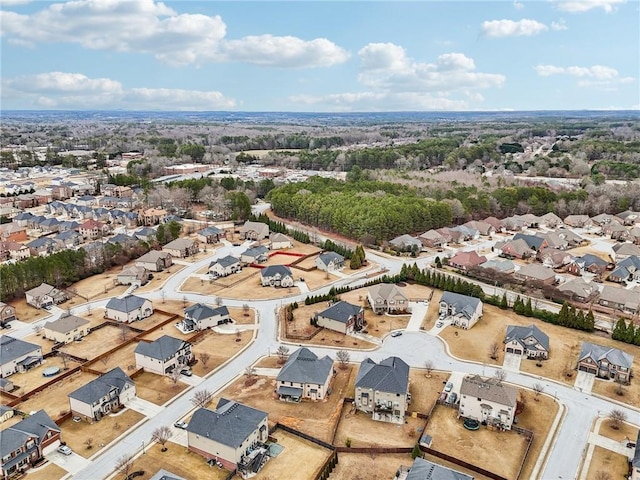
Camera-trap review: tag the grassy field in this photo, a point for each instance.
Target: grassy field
(49, 472)
(425, 390)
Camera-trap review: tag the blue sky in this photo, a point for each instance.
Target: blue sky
(327, 56)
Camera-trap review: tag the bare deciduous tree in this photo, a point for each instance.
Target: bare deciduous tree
(204, 358)
(218, 301)
(123, 332)
(616, 417)
(428, 365)
(538, 388)
(37, 329)
(245, 310)
(343, 357)
(602, 475)
(500, 375)
(105, 359)
(174, 376)
(89, 443)
(494, 348)
(163, 294)
(162, 435)
(124, 464)
(250, 371)
(283, 353)
(201, 398)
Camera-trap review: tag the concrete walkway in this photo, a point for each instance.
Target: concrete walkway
(367, 338)
(144, 407)
(595, 440)
(418, 312)
(267, 372)
(193, 380)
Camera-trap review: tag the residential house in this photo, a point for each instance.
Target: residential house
(45, 295)
(125, 241)
(65, 225)
(61, 192)
(86, 200)
(209, 235)
(501, 266)
(634, 235)
(49, 225)
(578, 221)
(514, 249)
(182, 247)
(591, 263)
(485, 229)
(103, 395)
(67, 239)
(133, 275)
(42, 247)
(603, 219)
(631, 267)
(201, 317)
(254, 231)
(387, 298)
(329, 261)
(495, 223)
(66, 329)
(155, 261)
(15, 250)
(488, 400)
(530, 220)
(426, 470)
(634, 463)
(5, 414)
(468, 233)
(146, 234)
(550, 220)
(580, 290)
(406, 243)
(627, 301)
(624, 250)
(7, 313)
(27, 442)
(280, 241)
(13, 231)
(23, 219)
(450, 235)
(92, 229)
(259, 254)
(382, 389)
(616, 231)
(17, 356)
(527, 341)
(605, 362)
(534, 242)
(128, 309)
(513, 224)
(228, 433)
(433, 239)
(342, 317)
(163, 355)
(6, 385)
(466, 260)
(629, 217)
(304, 376)
(224, 266)
(464, 311)
(276, 276)
(553, 257)
(536, 273)
(152, 216)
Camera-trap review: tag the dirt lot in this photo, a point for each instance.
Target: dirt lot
(220, 348)
(289, 460)
(25, 382)
(97, 342)
(54, 399)
(484, 446)
(102, 432)
(177, 460)
(50, 472)
(26, 313)
(604, 460)
(101, 285)
(360, 466)
(425, 391)
(315, 418)
(157, 389)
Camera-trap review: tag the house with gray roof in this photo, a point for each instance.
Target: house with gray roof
(624, 250)
(534, 242)
(259, 254)
(604, 362)
(224, 266)
(434, 239)
(502, 266)
(44, 295)
(635, 461)
(488, 400)
(163, 474)
(7, 313)
(155, 261)
(304, 376)
(27, 442)
(330, 261)
(463, 310)
(103, 395)
(342, 317)
(128, 309)
(626, 270)
(527, 341)
(387, 298)
(146, 234)
(406, 243)
(163, 355)
(254, 231)
(43, 246)
(618, 298)
(276, 276)
(578, 221)
(66, 329)
(382, 389)
(68, 239)
(209, 235)
(591, 263)
(228, 434)
(201, 316)
(426, 470)
(17, 355)
(133, 275)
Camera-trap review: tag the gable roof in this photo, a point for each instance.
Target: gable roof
(467, 259)
(518, 333)
(612, 355)
(152, 256)
(304, 366)
(328, 257)
(390, 375)
(405, 241)
(463, 303)
(499, 265)
(179, 244)
(126, 304)
(279, 237)
(272, 270)
(589, 259)
(258, 227)
(35, 425)
(341, 311)
(425, 470)
(490, 389)
(101, 386)
(385, 291)
(200, 311)
(162, 348)
(536, 271)
(229, 424)
(225, 261)
(66, 324)
(256, 251)
(580, 287)
(12, 348)
(533, 241)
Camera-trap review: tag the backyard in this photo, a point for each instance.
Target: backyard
(27, 381)
(219, 347)
(99, 341)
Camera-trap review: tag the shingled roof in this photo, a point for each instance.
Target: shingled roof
(304, 366)
(390, 375)
(490, 389)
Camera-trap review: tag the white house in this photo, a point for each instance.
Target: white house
(224, 266)
(201, 316)
(66, 329)
(128, 309)
(382, 389)
(280, 241)
(103, 395)
(464, 311)
(45, 295)
(155, 261)
(276, 276)
(488, 400)
(133, 275)
(17, 355)
(163, 355)
(304, 376)
(330, 261)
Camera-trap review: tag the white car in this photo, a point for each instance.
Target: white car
(439, 324)
(65, 450)
(397, 333)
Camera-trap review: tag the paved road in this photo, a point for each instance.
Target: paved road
(414, 347)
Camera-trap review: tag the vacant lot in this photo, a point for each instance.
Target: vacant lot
(27, 313)
(101, 285)
(177, 460)
(220, 348)
(25, 382)
(483, 446)
(606, 461)
(431, 317)
(50, 472)
(288, 464)
(157, 389)
(101, 433)
(54, 399)
(98, 342)
(314, 418)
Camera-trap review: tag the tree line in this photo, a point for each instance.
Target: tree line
(626, 332)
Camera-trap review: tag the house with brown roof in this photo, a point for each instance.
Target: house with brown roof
(131, 275)
(536, 273)
(514, 249)
(580, 290)
(13, 231)
(182, 247)
(495, 223)
(485, 229)
(550, 220)
(578, 221)
(605, 362)
(433, 239)
(387, 298)
(66, 329)
(155, 261)
(254, 231)
(7, 313)
(620, 299)
(553, 257)
(466, 260)
(152, 216)
(624, 250)
(92, 229)
(15, 250)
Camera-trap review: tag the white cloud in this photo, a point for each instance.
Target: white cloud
(75, 90)
(599, 76)
(150, 27)
(578, 6)
(558, 26)
(377, 101)
(517, 5)
(10, 3)
(510, 28)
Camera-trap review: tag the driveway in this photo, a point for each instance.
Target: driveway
(512, 362)
(144, 407)
(193, 380)
(418, 312)
(584, 381)
(73, 463)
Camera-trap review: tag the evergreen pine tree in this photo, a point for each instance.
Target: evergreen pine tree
(504, 303)
(589, 322)
(620, 330)
(563, 315)
(528, 309)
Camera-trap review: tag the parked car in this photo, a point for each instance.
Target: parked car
(65, 450)
(186, 371)
(453, 398)
(439, 324)
(397, 333)
(180, 424)
(448, 387)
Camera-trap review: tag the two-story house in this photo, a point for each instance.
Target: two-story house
(276, 276)
(342, 317)
(201, 316)
(259, 254)
(304, 376)
(182, 247)
(103, 395)
(155, 261)
(604, 362)
(329, 261)
(133, 275)
(128, 309)
(66, 329)
(92, 229)
(163, 355)
(224, 266)
(45, 295)
(210, 235)
(279, 241)
(254, 231)
(387, 298)
(527, 341)
(488, 400)
(7, 313)
(382, 389)
(463, 310)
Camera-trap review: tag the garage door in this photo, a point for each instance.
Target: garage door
(510, 350)
(584, 368)
(51, 448)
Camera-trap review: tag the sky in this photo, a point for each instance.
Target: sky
(320, 56)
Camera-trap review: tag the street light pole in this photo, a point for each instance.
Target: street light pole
(143, 447)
